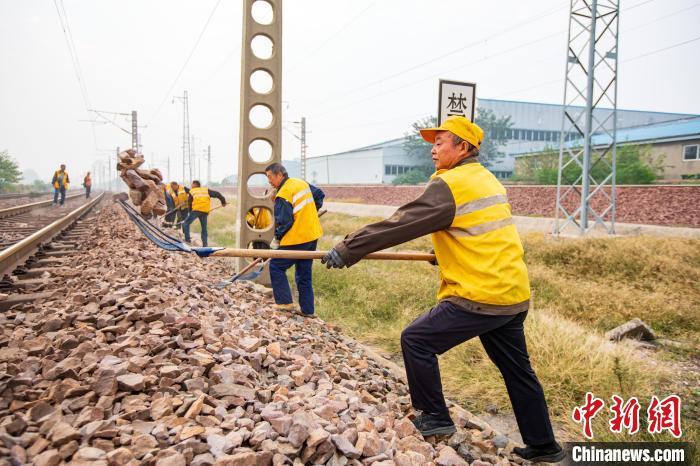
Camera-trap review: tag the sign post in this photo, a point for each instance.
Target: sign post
(456, 98)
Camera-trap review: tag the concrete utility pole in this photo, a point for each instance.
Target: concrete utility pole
(302, 140)
(209, 164)
(186, 149)
(253, 103)
(116, 187)
(134, 131)
(193, 169)
(303, 148)
(591, 82)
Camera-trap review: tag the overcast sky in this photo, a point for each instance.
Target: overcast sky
(361, 71)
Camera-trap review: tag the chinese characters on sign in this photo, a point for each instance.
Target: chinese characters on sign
(456, 98)
(661, 415)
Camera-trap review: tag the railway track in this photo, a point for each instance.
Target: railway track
(4, 196)
(26, 264)
(19, 221)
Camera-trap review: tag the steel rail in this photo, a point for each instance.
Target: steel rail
(20, 209)
(16, 254)
(4, 196)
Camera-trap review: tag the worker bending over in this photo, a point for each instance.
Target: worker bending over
(60, 182)
(199, 202)
(259, 218)
(297, 227)
(484, 289)
(177, 203)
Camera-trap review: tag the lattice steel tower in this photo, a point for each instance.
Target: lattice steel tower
(586, 178)
(186, 148)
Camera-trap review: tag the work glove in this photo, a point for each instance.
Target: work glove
(275, 243)
(332, 259)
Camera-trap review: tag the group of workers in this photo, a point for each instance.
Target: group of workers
(185, 205)
(484, 286)
(61, 182)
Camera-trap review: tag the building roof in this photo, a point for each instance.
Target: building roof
(678, 130)
(659, 132)
(380, 145)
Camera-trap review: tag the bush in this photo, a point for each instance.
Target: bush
(634, 166)
(413, 176)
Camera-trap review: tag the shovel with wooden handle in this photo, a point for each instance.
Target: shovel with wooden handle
(259, 261)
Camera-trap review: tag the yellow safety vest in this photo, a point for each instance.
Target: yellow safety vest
(306, 226)
(258, 218)
(61, 179)
(169, 192)
(480, 255)
(201, 201)
(179, 198)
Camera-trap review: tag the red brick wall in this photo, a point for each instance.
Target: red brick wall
(657, 205)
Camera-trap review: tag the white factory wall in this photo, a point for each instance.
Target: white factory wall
(352, 168)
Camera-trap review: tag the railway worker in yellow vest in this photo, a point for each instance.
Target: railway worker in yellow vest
(176, 199)
(297, 227)
(199, 201)
(259, 218)
(484, 289)
(60, 183)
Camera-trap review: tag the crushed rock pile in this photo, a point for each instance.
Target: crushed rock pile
(137, 360)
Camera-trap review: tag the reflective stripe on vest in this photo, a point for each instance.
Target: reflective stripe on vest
(306, 226)
(201, 201)
(480, 255)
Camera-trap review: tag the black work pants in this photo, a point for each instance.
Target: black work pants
(446, 326)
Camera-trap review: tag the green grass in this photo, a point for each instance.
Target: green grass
(581, 288)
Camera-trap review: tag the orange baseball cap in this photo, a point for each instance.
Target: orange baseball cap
(458, 125)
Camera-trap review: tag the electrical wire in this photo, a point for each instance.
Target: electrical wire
(412, 83)
(332, 36)
(184, 65)
(73, 53)
(382, 80)
(661, 50)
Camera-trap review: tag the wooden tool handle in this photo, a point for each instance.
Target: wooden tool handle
(293, 254)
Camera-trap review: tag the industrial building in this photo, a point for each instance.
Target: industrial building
(535, 126)
(674, 145)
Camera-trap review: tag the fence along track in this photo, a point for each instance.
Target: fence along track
(18, 253)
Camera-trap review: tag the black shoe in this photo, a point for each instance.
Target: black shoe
(434, 424)
(552, 453)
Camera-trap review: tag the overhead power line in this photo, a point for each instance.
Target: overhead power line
(184, 65)
(73, 53)
(661, 50)
(462, 48)
(451, 70)
(332, 36)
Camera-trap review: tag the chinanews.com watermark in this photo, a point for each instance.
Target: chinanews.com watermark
(642, 453)
(661, 416)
